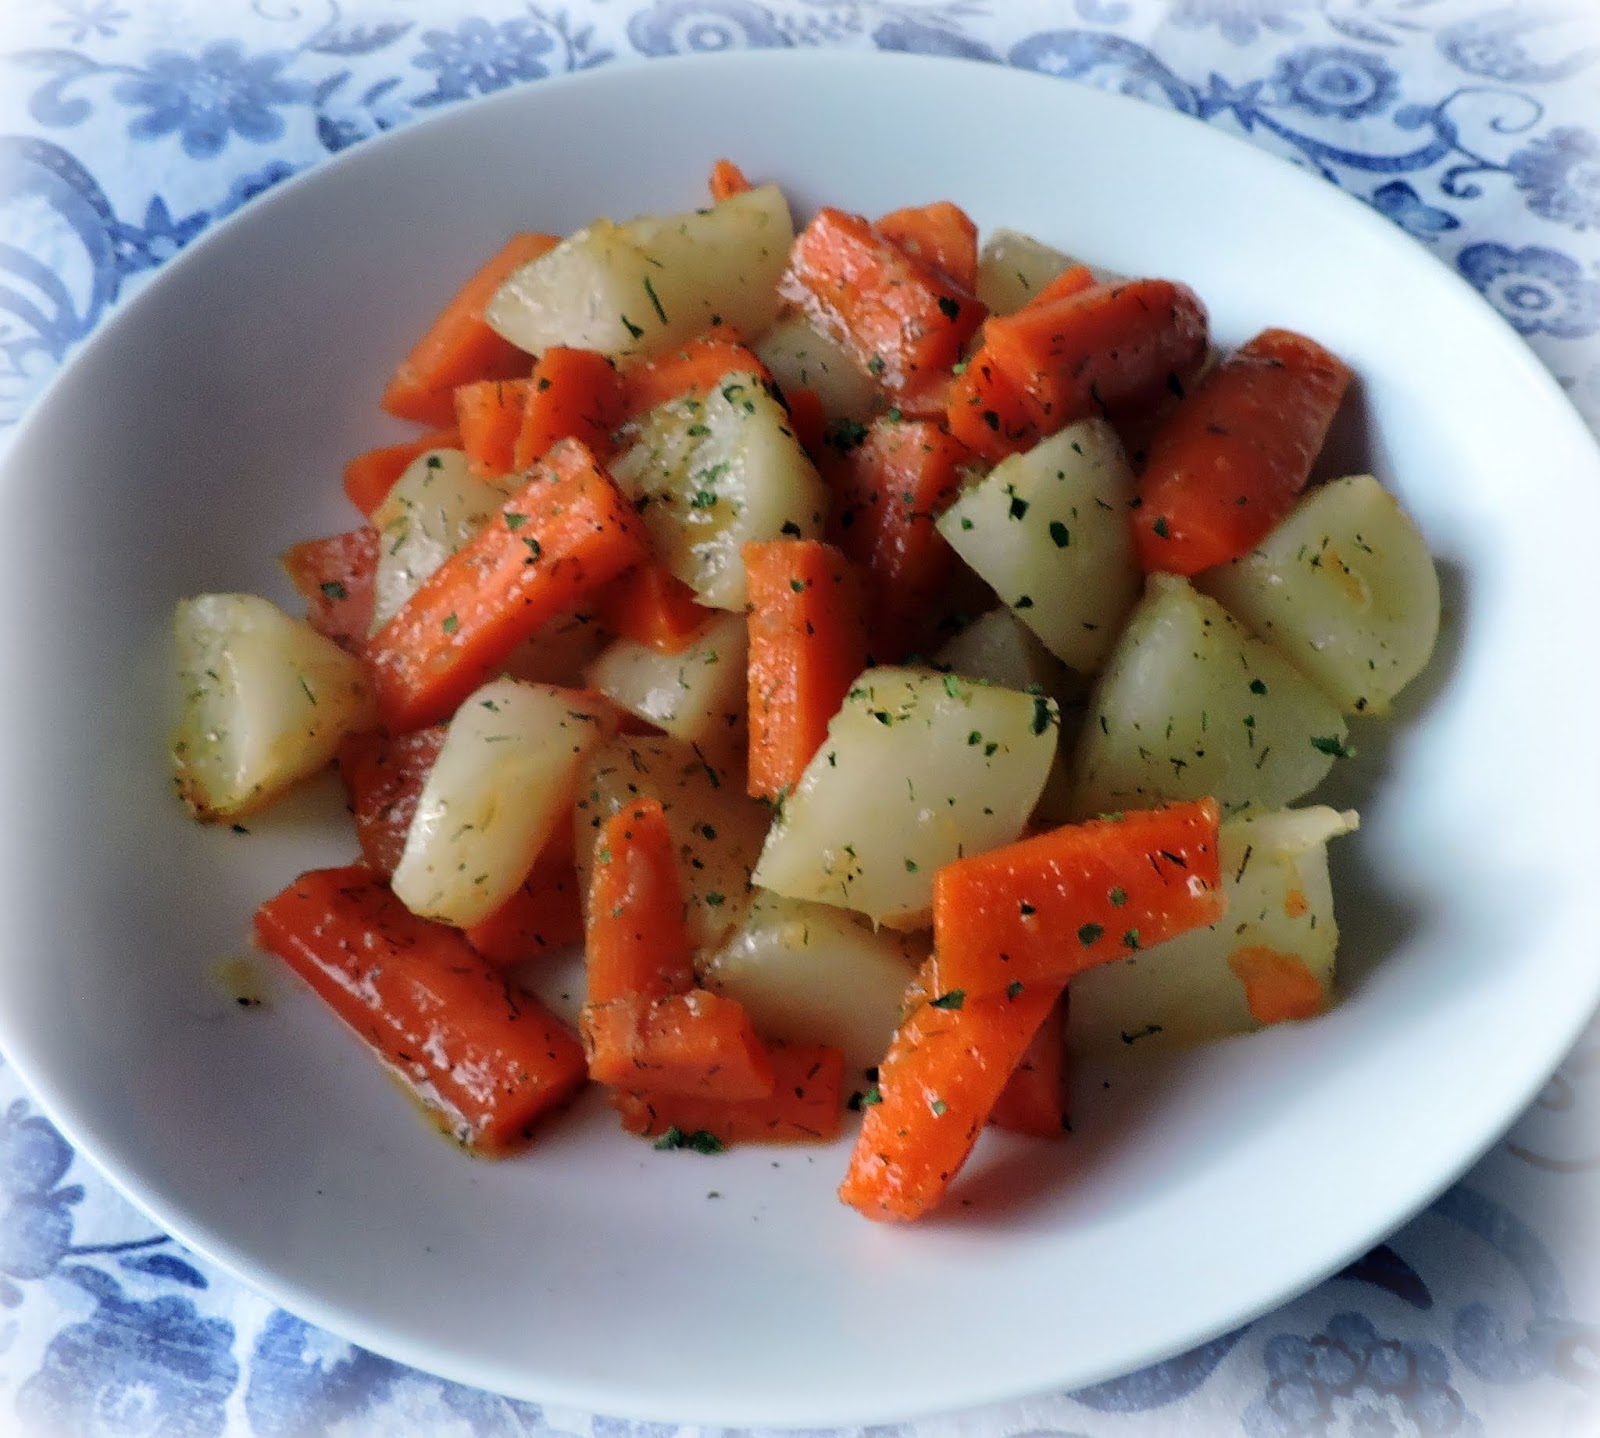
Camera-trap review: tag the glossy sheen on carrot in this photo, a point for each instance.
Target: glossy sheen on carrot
(808, 643)
(383, 777)
(1100, 349)
(1048, 907)
(335, 574)
(1233, 457)
(491, 1063)
(637, 943)
(459, 347)
(805, 1105)
(901, 319)
(565, 533)
(947, 1065)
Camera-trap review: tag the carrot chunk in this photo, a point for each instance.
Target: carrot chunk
(1048, 907)
(941, 234)
(637, 941)
(573, 394)
(651, 605)
(335, 575)
(887, 492)
(383, 776)
(558, 539)
(488, 1062)
(459, 347)
(1234, 455)
(489, 415)
(804, 1106)
(727, 180)
(947, 1064)
(899, 317)
(808, 643)
(695, 1043)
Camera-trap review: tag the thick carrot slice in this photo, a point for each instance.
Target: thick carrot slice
(946, 1066)
(489, 1062)
(371, 475)
(696, 1043)
(637, 943)
(898, 316)
(545, 914)
(699, 367)
(984, 408)
(887, 492)
(574, 394)
(1232, 458)
(941, 235)
(1099, 350)
(383, 776)
(727, 180)
(804, 1107)
(1046, 908)
(459, 346)
(1034, 1100)
(489, 416)
(335, 576)
(1277, 986)
(650, 605)
(559, 538)
(808, 642)
(988, 413)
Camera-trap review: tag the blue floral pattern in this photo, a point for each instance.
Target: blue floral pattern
(1470, 124)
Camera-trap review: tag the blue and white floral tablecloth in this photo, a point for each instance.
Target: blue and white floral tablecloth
(128, 127)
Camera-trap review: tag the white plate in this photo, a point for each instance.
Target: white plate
(204, 429)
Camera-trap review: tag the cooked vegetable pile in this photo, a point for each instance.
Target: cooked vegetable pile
(859, 642)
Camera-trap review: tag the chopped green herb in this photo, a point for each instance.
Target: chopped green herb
(1118, 897)
(1013, 988)
(635, 331)
(1332, 744)
(939, 1107)
(1160, 527)
(1060, 533)
(1089, 934)
(952, 1000)
(1019, 507)
(515, 521)
(949, 308)
(450, 624)
(1257, 687)
(655, 300)
(334, 590)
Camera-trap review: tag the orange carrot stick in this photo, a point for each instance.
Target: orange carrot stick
(807, 418)
(1034, 1100)
(560, 537)
(489, 1062)
(941, 235)
(887, 492)
(637, 944)
(804, 1107)
(545, 914)
(1232, 458)
(489, 416)
(459, 347)
(985, 409)
(371, 475)
(1099, 350)
(697, 1043)
(898, 316)
(727, 180)
(1046, 908)
(650, 605)
(808, 643)
(574, 394)
(946, 1066)
(335, 575)
(383, 776)
(696, 369)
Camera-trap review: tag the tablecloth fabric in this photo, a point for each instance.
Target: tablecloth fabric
(129, 127)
